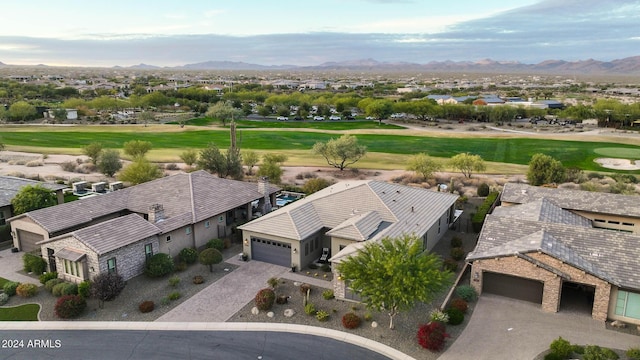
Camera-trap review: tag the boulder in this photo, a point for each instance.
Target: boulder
(289, 313)
(255, 311)
(270, 314)
(618, 324)
(374, 324)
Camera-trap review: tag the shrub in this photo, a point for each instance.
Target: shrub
(368, 316)
(561, 347)
(633, 353)
(159, 265)
(146, 306)
(174, 295)
(27, 290)
(304, 288)
(181, 266)
(273, 282)
(350, 320)
(33, 263)
(216, 244)
(553, 356)
(457, 253)
(210, 257)
(57, 289)
(328, 294)
(466, 293)
(84, 289)
(282, 299)
(69, 166)
(595, 352)
(432, 336)
(310, 309)
(325, 268)
(107, 286)
(322, 315)
(3, 299)
(264, 299)
(198, 279)
(165, 301)
(450, 264)
(47, 276)
(171, 166)
(459, 304)
(478, 218)
(456, 317)
(70, 289)
(483, 190)
(188, 255)
(174, 281)
(439, 316)
(10, 287)
(70, 306)
(456, 242)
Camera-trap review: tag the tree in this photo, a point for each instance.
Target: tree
(316, 184)
(249, 157)
(107, 286)
(59, 114)
(223, 111)
(32, 197)
(93, 151)
(137, 148)
(109, 162)
(234, 164)
(393, 274)
(145, 117)
(212, 160)
(424, 165)
(22, 110)
(210, 257)
(139, 171)
(341, 152)
(271, 168)
(189, 157)
(379, 109)
(468, 163)
(544, 169)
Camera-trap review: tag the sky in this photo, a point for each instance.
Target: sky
(312, 32)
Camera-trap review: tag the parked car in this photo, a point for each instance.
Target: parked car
(370, 118)
(335, 118)
(318, 118)
(351, 117)
(282, 118)
(298, 118)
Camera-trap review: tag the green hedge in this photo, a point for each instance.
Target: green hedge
(478, 217)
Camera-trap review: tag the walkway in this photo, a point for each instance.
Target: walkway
(11, 264)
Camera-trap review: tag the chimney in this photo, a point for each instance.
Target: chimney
(263, 188)
(156, 213)
(263, 185)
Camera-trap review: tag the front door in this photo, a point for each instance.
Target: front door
(52, 260)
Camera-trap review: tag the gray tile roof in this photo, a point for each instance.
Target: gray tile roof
(542, 210)
(406, 209)
(189, 197)
(604, 203)
(10, 186)
(359, 227)
(609, 255)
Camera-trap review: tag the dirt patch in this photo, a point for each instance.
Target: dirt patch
(618, 164)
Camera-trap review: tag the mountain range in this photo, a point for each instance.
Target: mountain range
(627, 66)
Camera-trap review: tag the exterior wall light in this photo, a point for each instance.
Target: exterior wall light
(295, 251)
(246, 242)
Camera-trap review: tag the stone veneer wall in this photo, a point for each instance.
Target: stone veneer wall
(516, 266)
(130, 260)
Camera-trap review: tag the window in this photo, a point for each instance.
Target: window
(425, 242)
(439, 221)
(72, 268)
(188, 230)
(148, 250)
(614, 222)
(111, 265)
(599, 220)
(2, 219)
(628, 304)
(168, 238)
(207, 224)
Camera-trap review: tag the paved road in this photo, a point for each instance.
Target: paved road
(171, 345)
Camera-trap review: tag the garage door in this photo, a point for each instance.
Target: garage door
(28, 240)
(512, 286)
(270, 251)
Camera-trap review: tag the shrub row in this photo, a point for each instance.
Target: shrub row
(33, 263)
(563, 349)
(478, 217)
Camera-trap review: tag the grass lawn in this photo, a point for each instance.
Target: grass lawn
(509, 150)
(3, 281)
(292, 124)
(26, 312)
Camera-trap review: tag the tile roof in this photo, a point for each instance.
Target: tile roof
(189, 198)
(604, 203)
(359, 227)
(543, 210)
(10, 186)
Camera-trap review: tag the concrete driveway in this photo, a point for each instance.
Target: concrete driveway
(503, 328)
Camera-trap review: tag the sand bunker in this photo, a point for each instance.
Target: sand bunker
(619, 164)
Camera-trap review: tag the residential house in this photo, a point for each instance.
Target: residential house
(9, 188)
(343, 218)
(171, 213)
(561, 248)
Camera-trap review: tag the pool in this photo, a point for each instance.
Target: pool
(282, 200)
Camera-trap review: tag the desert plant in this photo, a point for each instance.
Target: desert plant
(456, 317)
(217, 244)
(174, 295)
(273, 282)
(310, 309)
(633, 353)
(460, 305)
(84, 289)
(70, 306)
(174, 281)
(4, 298)
(466, 293)
(165, 301)
(106, 287)
(561, 347)
(483, 190)
(198, 279)
(457, 253)
(595, 352)
(146, 306)
(328, 294)
(437, 315)
(456, 242)
(188, 255)
(47, 276)
(33, 263)
(432, 336)
(159, 265)
(26, 290)
(350, 320)
(368, 316)
(322, 315)
(10, 287)
(264, 299)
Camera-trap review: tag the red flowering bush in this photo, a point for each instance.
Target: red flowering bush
(146, 306)
(264, 299)
(432, 336)
(350, 320)
(459, 304)
(70, 306)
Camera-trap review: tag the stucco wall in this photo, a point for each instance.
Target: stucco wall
(26, 224)
(179, 240)
(202, 234)
(295, 245)
(624, 223)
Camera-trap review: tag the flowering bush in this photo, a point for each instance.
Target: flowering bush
(26, 290)
(350, 320)
(264, 299)
(432, 336)
(439, 316)
(70, 306)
